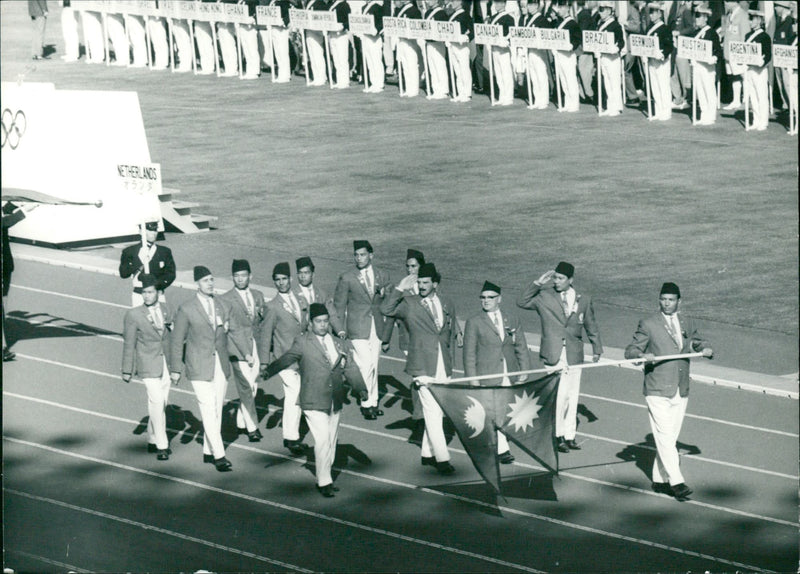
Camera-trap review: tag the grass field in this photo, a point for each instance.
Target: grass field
(486, 193)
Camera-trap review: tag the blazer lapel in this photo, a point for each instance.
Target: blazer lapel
(490, 324)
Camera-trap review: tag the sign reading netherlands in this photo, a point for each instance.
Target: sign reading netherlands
(599, 42)
(269, 16)
(644, 46)
(145, 181)
(748, 53)
(695, 49)
(784, 56)
(489, 34)
(362, 24)
(298, 18)
(554, 39)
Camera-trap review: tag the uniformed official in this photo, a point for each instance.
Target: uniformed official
(372, 49)
(501, 55)
(184, 47)
(147, 257)
(437, 57)
(757, 76)
(459, 51)
(339, 42)
(69, 29)
(145, 349)
(408, 53)
(611, 64)
(784, 36)
(538, 60)
(315, 47)
(660, 68)
(279, 43)
(137, 34)
(157, 27)
(566, 61)
(226, 36)
(115, 24)
(706, 73)
(205, 36)
(93, 36)
(248, 38)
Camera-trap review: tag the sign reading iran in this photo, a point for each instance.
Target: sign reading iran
(695, 49)
(599, 42)
(554, 39)
(524, 37)
(362, 24)
(323, 21)
(489, 35)
(298, 19)
(748, 53)
(644, 46)
(784, 56)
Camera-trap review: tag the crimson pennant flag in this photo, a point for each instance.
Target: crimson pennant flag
(525, 412)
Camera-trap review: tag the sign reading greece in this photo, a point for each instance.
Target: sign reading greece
(362, 24)
(554, 39)
(524, 37)
(695, 49)
(489, 34)
(599, 42)
(644, 46)
(269, 16)
(784, 56)
(748, 53)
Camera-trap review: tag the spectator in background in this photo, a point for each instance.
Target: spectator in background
(586, 18)
(69, 28)
(736, 26)
(38, 13)
(11, 216)
(681, 22)
(635, 23)
(784, 36)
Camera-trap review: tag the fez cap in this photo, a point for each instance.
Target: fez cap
(148, 280)
(304, 262)
(282, 268)
(670, 289)
(489, 286)
(317, 309)
(362, 244)
(428, 270)
(201, 271)
(414, 254)
(240, 265)
(565, 268)
(151, 225)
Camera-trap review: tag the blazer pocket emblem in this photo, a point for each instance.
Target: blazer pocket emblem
(160, 264)
(580, 318)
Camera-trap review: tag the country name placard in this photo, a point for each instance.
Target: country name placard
(269, 16)
(644, 46)
(748, 53)
(695, 49)
(554, 39)
(362, 24)
(489, 35)
(599, 42)
(784, 56)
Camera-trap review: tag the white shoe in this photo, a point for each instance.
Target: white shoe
(250, 77)
(733, 106)
(613, 113)
(282, 80)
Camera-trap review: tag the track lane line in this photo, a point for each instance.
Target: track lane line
(64, 565)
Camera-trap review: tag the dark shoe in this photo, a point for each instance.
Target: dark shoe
(368, 413)
(223, 464)
(377, 412)
(428, 461)
(573, 445)
(326, 491)
(562, 445)
(681, 492)
(445, 467)
(295, 446)
(151, 448)
(163, 454)
(208, 458)
(8, 355)
(255, 436)
(662, 488)
(505, 457)
(418, 432)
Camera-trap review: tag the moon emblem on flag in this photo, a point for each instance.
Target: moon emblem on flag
(475, 417)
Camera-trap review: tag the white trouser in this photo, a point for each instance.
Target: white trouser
(503, 74)
(280, 47)
(372, 52)
(157, 396)
(265, 47)
(183, 41)
(408, 59)
(69, 28)
(502, 442)
(246, 378)
(158, 38)
(566, 67)
(433, 440)
(706, 90)
(115, 24)
(660, 88)
(138, 40)
(205, 47)
(569, 389)
(666, 419)
(226, 33)
(437, 67)
(366, 354)
(316, 57)
(540, 83)
(249, 39)
(339, 43)
(211, 398)
(291, 410)
(611, 68)
(324, 428)
(93, 36)
(459, 56)
(756, 90)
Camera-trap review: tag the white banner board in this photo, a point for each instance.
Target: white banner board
(269, 16)
(644, 46)
(361, 24)
(599, 42)
(695, 49)
(554, 39)
(748, 53)
(489, 35)
(784, 56)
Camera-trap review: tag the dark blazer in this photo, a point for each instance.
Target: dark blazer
(10, 218)
(664, 35)
(575, 33)
(342, 10)
(666, 378)
(204, 342)
(612, 25)
(465, 23)
(284, 6)
(783, 31)
(436, 13)
(376, 9)
(281, 327)
(162, 265)
(355, 308)
(503, 19)
(321, 384)
(424, 337)
(144, 343)
(759, 36)
(409, 11)
(243, 329)
(710, 34)
(559, 330)
(538, 20)
(484, 351)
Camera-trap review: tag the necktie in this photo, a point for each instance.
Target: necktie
(564, 303)
(496, 319)
(330, 350)
(294, 306)
(368, 283)
(249, 298)
(676, 330)
(155, 313)
(310, 294)
(432, 309)
(210, 311)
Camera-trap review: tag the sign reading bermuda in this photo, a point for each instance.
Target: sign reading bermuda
(644, 46)
(599, 42)
(554, 39)
(695, 49)
(489, 34)
(784, 56)
(748, 53)
(524, 37)
(269, 16)
(363, 24)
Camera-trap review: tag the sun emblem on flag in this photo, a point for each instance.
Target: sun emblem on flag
(523, 410)
(475, 417)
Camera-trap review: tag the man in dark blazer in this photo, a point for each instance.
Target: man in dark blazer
(144, 351)
(432, 329)
(325, 362)
(756, 76)
(566, 61)
(564, 314)
(286, 318)
(147, 257)
(494, 342)
(357, 301)
(200, 344)
(11, 216)
(666, 383)
(660, 69)
(245, 344)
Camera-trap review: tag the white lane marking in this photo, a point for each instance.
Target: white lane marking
(64, 565)
(76, 297)
(281, 506)
(411, 486)
(157, 529)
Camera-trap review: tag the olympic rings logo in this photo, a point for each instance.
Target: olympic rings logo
(14, 124)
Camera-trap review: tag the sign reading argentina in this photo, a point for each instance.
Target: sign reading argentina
(748, 53)
(644, 46)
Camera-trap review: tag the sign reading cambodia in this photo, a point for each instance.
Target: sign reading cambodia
(644, 46)
(695, 49)
(524, 37)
